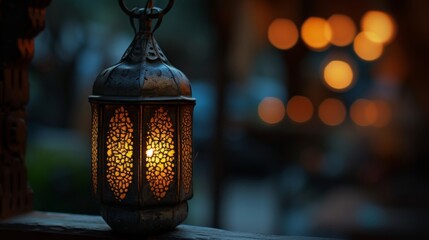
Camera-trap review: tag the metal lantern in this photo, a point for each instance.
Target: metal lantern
(142, 111)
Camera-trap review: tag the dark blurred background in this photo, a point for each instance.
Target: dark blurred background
(311, 116)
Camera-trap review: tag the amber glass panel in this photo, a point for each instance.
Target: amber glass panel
(160, 153)
(119, 148)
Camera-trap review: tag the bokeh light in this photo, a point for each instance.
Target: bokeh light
(384, 113)
(271, 110)
(366, 48)
(343, 29)
(364, 112)
(283, 33)
(332, 112)
(338, 75)
(300, 109)
(380, 24)
(316, 33)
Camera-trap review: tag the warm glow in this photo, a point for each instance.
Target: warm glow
(119, 153)
(343, 29)
(271, 110)
(380, 24)
(149, 152)
(364, 112)
(332, 112)
(366, 48)
(316, 33)
(384, 115)
(160, 143)
(283, 33)
(338, 75)
(300, 109)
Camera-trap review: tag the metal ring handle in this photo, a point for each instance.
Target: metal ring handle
(150, 15)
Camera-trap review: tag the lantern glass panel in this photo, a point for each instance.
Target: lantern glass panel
(119, 155)
(160, 153)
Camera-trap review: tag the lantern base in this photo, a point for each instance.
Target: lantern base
(144, 221)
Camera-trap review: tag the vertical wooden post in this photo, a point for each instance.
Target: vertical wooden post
(222, 17)
(20, 21)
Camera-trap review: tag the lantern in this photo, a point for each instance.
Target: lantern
(142, 111)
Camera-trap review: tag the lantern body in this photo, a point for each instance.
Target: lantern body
(142, 111)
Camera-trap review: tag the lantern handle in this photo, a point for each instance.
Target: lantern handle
(153, 15)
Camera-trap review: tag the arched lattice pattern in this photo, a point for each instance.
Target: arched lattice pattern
(160, 153)
(187, 148)
(94, 149)
(120, 153)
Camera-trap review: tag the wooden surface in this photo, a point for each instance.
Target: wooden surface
(43, 225)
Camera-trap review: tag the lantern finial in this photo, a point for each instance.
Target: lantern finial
(154, 12)
(158, 78)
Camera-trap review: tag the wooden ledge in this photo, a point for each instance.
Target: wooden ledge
(45, 225)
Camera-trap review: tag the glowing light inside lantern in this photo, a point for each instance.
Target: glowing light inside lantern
(160, 145)
(149, 152)
(120, 153)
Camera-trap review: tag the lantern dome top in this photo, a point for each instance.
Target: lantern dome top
(143, 72)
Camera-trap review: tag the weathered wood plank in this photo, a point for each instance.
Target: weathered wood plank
(44, 225)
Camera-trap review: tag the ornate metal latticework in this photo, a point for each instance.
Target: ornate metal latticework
(94, 148)
(160, 153)
(187, 149)
(119, 147)
(144, 128)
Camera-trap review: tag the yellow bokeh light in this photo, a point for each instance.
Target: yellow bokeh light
(364, 112)
(366, 48)
(338, 75)
(300, 109)
(271, 110)
(332, 112)
(380, 24)
(343, 29)
(316, 33)
(283, 33)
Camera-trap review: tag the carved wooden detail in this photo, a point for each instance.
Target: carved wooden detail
(20, 22)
